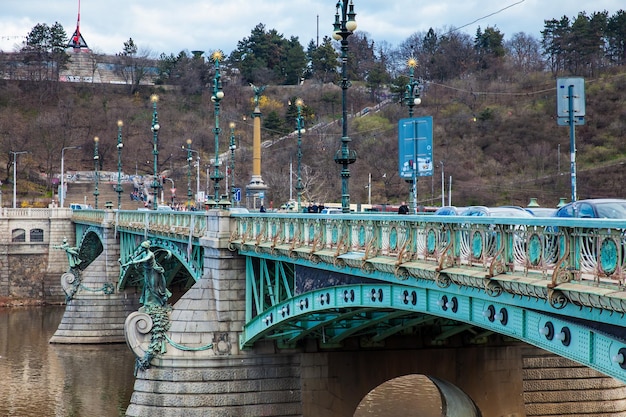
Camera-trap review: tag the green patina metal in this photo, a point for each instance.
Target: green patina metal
(477, 244)
(158, 338)
(608, 256)
(362, 235)
(535, 249)
(431, 241)
(393, 238)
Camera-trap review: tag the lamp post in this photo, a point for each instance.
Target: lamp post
(411, 99)
(119, 190)
(232, 148)
(96, 162)
(300, 127)
(62, 192)
(217, 96)
(443, 189)
(156, 184)
(15, 154)
(189, 159)
(344, 26)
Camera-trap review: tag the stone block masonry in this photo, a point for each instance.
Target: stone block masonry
(27, 259)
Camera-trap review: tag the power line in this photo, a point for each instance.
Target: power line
(486, 16)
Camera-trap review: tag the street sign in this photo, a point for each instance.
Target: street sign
(237, 194)
(415, 146)
(578, 96)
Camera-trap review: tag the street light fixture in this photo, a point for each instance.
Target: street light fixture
(411, 99)
(217, 96)
(232, 148)
(15, 154)
(96, 161)
(189, 159)
(156, 184)
(300, 127)
(344, 26)
(119, 190)
(63, 191)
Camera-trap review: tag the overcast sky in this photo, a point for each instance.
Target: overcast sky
(172, 26)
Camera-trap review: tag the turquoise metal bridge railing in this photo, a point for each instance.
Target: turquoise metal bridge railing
(586, 251)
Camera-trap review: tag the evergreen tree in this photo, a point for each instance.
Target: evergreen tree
(322, 60)
(616, 38)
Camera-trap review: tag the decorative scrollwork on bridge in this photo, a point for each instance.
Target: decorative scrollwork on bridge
(70, 282)
(557, 299)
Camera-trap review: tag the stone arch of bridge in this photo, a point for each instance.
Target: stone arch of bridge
(417, 395)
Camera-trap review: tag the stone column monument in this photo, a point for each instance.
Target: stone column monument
(255, 190)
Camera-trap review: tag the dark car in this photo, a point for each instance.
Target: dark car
(501, 211)
(599, 208)
(541, 211)
(449, 211)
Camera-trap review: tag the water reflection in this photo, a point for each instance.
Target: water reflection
(40, 379)
(405, 396)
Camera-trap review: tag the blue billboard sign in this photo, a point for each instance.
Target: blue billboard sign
(415, 146)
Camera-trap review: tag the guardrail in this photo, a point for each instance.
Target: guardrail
(180, 223)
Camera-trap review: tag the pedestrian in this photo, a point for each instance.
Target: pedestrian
(403, 209)
(262, 209)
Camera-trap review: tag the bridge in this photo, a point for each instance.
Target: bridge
(286, 314)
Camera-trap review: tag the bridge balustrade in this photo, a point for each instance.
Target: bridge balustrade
(181, 224)
(530, 257)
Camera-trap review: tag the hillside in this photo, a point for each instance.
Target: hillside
(498, 140)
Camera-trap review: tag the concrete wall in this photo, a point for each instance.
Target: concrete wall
(32, 269)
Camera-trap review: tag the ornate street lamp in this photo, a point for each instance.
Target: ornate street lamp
(344, 26)
(300, 127)
(217, 96)
(413, 88)
(411, 99)
(96, 161)
(232, 148)
(119, 190)
(189, 159)
(156, 184)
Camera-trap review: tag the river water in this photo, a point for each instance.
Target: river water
(39, 379)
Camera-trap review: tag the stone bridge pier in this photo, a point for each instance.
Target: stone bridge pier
(198, 370)
(95, 310)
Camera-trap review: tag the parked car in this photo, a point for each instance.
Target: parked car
(541, 211)
(449, 211)
(238, 210)
(599, 208)
(331, 211)
(501, 211)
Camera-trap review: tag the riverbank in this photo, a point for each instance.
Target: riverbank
(22, 302)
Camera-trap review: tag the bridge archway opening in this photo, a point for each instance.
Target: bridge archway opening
(416, 396)
(178, 278)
